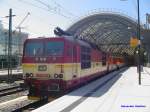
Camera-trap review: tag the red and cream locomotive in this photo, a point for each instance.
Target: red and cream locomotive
(57, 65)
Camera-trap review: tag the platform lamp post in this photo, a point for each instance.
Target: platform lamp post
(139, 38)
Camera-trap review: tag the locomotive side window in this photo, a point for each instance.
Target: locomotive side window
(103, 60)
(85, 57)
(34, 49)
(54, 48)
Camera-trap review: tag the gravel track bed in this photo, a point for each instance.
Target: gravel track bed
(13, 96)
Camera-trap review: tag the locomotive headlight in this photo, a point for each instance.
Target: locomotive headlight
(31, 74)
(28, 75)
(55, 75)
(58, 75)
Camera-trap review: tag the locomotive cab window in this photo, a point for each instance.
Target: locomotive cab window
(34, 49)
(54, 48)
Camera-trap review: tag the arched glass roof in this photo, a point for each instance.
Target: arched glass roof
(109, 31)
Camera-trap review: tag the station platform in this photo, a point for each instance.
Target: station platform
(117, 92)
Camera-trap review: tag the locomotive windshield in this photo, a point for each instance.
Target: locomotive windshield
(34, 49)
(51, 48)
(54, 48)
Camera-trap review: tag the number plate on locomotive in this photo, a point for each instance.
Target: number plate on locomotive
(42, 68)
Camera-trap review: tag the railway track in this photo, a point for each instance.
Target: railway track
(14, 104)
(15, 77)
(9, 91)
(24, 105)
(20, 104)
(34, 105)
(31, 106)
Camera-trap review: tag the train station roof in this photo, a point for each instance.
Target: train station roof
(111, 32)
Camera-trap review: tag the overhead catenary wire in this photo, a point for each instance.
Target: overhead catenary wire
(19, 26)
(29, 3)
(33, 14)
(39, 18)
(46, 8)
(57, 8)
(64, 8)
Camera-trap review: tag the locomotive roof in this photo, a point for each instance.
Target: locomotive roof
(73, 39)
(81, 42)
(69, 38)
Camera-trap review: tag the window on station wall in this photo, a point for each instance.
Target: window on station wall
(85, 57)
(104, 60)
